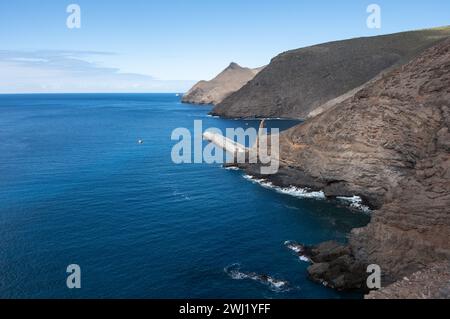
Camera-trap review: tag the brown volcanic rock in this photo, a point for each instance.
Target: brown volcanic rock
(430, 283)
(389, 143)
(228, 81)
(297, 82)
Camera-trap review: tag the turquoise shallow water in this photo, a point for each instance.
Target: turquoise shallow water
(76, 187)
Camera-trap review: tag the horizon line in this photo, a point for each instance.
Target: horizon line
(65, 93)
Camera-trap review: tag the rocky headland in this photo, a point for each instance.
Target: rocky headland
(298, 82)
(228, 81)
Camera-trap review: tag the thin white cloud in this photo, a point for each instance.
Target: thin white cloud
(71, 72)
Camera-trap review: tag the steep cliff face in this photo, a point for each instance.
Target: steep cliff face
(297, 82)
(389, 143)
(412, 228)
(228, 81)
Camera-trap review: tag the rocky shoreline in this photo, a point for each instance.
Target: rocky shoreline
(388, 144)
(333, 265)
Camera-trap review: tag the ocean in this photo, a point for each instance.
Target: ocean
(76, 187)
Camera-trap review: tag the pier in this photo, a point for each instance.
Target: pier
(225, 143)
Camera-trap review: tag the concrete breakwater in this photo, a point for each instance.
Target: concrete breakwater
(225, 143)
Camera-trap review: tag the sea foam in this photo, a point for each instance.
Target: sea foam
(291, 190)
(297, 249)
(232, 168)
(274, 284)
(355, 202)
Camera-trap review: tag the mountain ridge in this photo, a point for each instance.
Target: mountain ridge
(297, 82)
(231, 79)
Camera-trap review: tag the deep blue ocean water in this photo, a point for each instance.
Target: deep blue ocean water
(77, 188)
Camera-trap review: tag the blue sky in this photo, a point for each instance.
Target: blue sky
(164, 46)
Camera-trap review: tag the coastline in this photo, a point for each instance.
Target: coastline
(385, 162)
(181, 221)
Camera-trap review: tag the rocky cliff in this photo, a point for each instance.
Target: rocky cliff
(297, 82)
(228, 81)
(390, 144)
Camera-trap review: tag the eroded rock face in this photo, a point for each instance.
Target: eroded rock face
(228, 81)
(389, 144)
(297, 82)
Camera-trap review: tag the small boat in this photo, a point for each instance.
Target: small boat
(140, 141)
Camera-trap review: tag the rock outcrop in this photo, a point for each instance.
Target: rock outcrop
(389, 144)
(297, 82)
(228, 81)
(329, 259)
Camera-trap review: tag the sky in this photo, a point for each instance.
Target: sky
(168, 45)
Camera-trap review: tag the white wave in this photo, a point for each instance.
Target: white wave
(298, 249)
(291, 190)
(232, 168)
(293, 246)
(355, 202)
(275, 284)
(236, 275)
(304, 258)
(279, 284)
